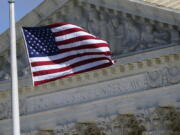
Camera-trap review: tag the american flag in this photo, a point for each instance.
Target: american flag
(63, 49)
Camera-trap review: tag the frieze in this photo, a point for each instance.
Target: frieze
(108, 89)
(86, 94)
(168, 75)
(163, 77)
(125, 33)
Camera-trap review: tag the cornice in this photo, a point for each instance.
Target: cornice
(119, 70)
(141, 8)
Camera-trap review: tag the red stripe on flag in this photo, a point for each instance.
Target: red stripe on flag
(77, 64)
(76, 39)
(85, 70)
(58, 61)
(58, 24)
(68, 31)
(88, 46)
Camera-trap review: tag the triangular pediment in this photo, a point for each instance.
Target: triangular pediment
(126, 33)
(116, 21)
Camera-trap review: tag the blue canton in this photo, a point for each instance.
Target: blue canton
(40, 41)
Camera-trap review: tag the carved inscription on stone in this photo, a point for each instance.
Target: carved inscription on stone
(159, 78)
(87, 94)
(163, 77)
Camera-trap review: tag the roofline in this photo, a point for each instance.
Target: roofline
(143, 9)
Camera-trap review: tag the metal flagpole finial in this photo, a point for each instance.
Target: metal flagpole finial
(11, 1)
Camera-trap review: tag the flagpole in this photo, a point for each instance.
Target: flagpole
(14, 76)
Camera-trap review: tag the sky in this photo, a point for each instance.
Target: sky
(22, 7)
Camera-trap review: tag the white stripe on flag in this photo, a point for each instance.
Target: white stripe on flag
(72, 35)
(64, 27)
(84, 42)
(65, 64)
(66, 54)
(74, 70)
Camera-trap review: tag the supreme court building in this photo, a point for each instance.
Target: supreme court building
(139, 95)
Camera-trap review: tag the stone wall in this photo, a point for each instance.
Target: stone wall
(163, 120)
(134, 88)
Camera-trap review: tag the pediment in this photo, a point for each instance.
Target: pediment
(127, 32)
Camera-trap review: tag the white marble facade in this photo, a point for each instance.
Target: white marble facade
(145, 80)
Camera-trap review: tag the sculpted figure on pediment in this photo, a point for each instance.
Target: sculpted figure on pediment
(22, 61)
(153, 36)
(147, 36)
(62, 15)
(116, 31)
(5, 64)
(161, 36)
(5, 67)
(118, 36)
(72, 13)
(2, 73)
(80, 16)
(175, 36)
(93, 23)
(131, 35)
(103, 21)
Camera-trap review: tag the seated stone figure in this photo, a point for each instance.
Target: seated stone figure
(93, 23)
(161, 36)
(4, 68)
(131, 39)
(152, 36)
(104, 26)
(117, 35)
(147, 37)
(175, 36)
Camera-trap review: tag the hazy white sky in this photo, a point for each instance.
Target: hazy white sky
(22, 7)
